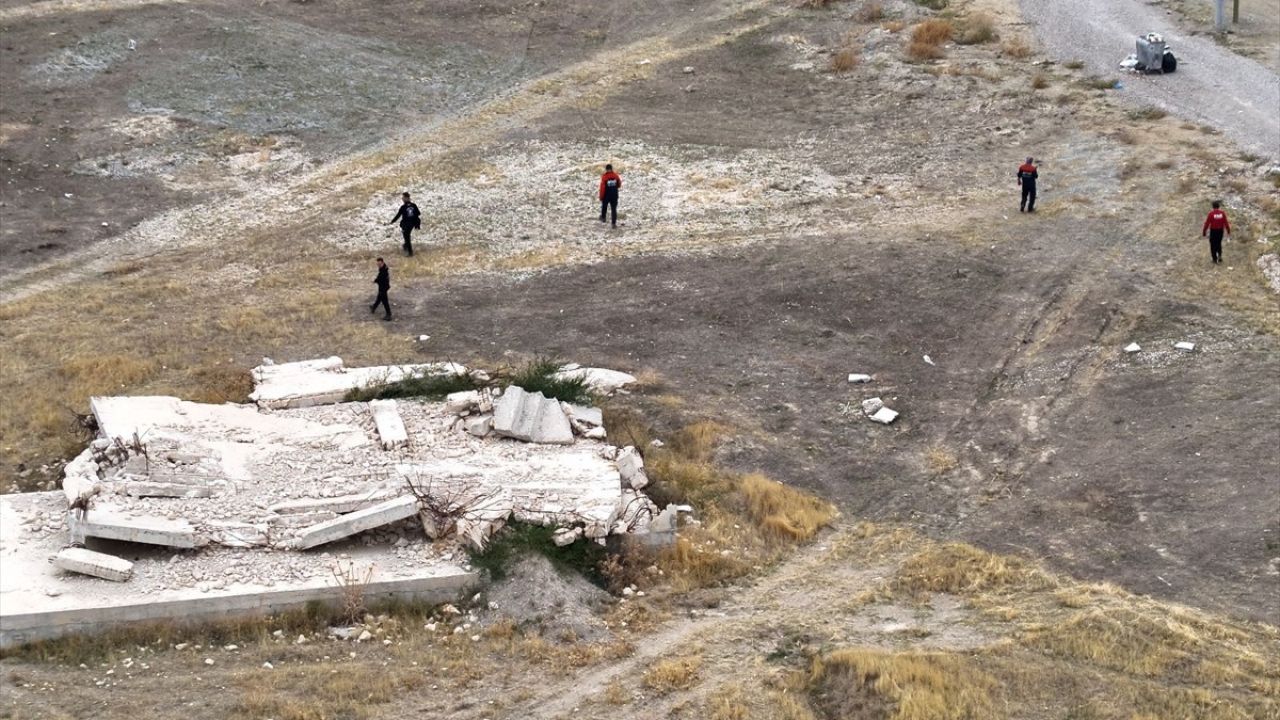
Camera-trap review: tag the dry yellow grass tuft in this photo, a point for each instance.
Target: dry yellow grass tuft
(901, 686)
(1017, 48)
(846, 59)
(870, 12)
(1039, 81)
(976, 29)
(669, 675)
(963, 570)
(927, 39)
(783, 512)
(615, 694)
(940, 460)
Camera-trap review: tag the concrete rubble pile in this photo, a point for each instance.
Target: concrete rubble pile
(302, 467)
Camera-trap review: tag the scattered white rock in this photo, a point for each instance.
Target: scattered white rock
(566, 536)
(631, 468)
(1185, 346)
(531, 417)
(859, 378)
(1133, 348)
(884, 416)
(1269, 264)
(928, 360)
(871, 406)
(688, 70)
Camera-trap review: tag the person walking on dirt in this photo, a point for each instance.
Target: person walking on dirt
(1027, 175)
(410, 220)
(610, 184)
(1214, 225)
(383, 281)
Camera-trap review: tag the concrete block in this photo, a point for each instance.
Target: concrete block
(322, 382)
(390, 426)
(871, 406)
(238, 535)
(111, 525)
(859, 378)
(162, 489)
(582, 417)
(99, 565)
(884, 416)
(1185, 346)
(531, 417)
(1133, 348)
(566, 536)
(479, 425)
(358, 521)
(599, 380)
(460, 402)
(631, 468)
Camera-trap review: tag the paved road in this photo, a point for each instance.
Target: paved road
(1213, 85)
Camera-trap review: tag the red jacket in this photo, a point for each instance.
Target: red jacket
(1217, 220)
(606, 179)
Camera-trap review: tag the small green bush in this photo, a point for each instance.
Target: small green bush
(519, 539)
(539, 377)
(430, 387)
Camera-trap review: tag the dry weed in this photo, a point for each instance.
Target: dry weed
(894, 26)
(782, 512)
(846, 59)
(1017, 48)
(667, 676)
(870, 12)
(615, 694)
(961, 569)
(940, 460)
(903, 686)
(976, 29)
(1039, 81)
(927, 39)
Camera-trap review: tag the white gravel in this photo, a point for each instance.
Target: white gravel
(1212, 85)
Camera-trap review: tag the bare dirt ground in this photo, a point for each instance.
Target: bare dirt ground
(783, 225)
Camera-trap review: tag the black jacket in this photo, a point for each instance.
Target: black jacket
(408, 216)
(383, 281)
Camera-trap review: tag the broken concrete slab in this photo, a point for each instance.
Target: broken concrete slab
(150, 530)
(588, 417)
(483, 517)
(381, 514)
(239, 535)
(1185, 346)
(141, 488)
(871, 406)
(386, 418)
(859, 378)
(566, 536)
(96, 564)
(339, 504)
(322, 382)
(631, 468)
(599, 380)
(479, 425)
(884, 416)
(462, 402)
(1133, 348)
(531, 417)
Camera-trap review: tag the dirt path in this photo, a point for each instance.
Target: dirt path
(1213, 85)
(389, 165)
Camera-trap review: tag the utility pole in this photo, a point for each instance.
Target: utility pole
(1235, 12)
(1220, 15)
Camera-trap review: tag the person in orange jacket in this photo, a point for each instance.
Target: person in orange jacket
(1027, 175)
(610, 184)
(1214, 225)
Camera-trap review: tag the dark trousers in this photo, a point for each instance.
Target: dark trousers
(407, 230)
(610, 202)
(1215, 245)
(382, 300)
(1028, 197)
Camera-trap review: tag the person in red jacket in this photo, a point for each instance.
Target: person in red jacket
(1214, 225)
(610, 184)
(1027, 175)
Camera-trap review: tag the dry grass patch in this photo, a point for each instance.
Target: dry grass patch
(615, 694)
(1016, 48)
(940, 460)
(672, 674)
(1039, 81)
(961, 569)
(893, 26)
(856, 683)
(783, 512)
(846, 59)
(927, 39)
(976, 29)
(869, 12)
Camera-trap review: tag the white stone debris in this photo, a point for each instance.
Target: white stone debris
(859, 378)
(326, 381)
(1269, 264)
(531, 417)
(871, 406)
(340, 504)
(162, 489)
(96, 564)
(688, 70)
(460, 403)
(884, 416)
(631, 468)
(601, 380)
(1133, 348)
(928, 360)
(1185, 346)
(566, 536)
(390, 426)
(479, 425)
(584, 419)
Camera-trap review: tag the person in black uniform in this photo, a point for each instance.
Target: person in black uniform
(410, 220)
(383, 281)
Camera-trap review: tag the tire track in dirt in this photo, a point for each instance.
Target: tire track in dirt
(313, 195)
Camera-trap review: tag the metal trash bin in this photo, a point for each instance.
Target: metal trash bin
(1151, 50)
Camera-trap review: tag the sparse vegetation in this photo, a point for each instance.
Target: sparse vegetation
(933, 4)
(869, 12)
(927, 39)
(671, 674)
(1039, 81)
(846, 59)
(427, 387)
(1099, 83)
(1149, 112)
(1073, 64)
(1016, 48)
(976, 29)
(539, 376)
